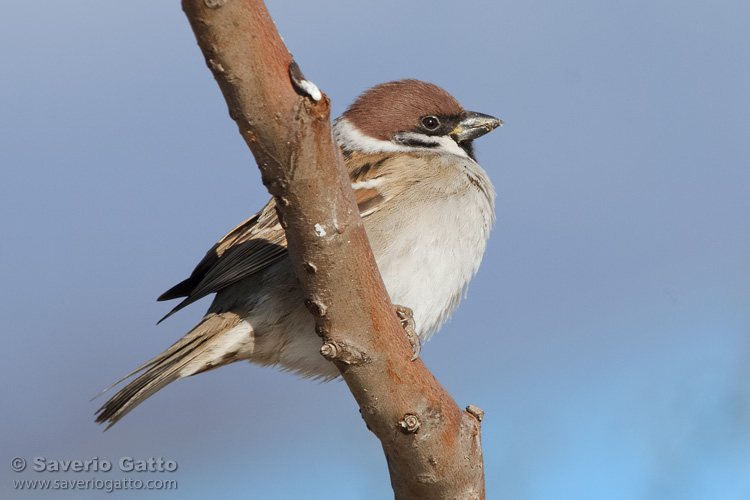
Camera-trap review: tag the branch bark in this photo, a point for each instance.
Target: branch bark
(432, 447)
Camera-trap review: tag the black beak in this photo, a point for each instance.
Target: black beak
(474, 125)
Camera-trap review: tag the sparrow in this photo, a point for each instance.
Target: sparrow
(427, 208)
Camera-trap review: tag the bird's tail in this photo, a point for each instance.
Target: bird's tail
(217, 340)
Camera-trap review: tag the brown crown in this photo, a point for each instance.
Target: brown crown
(389, 108)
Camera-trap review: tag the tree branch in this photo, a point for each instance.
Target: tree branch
(432, 446)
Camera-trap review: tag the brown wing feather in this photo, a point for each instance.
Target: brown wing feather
(250, 247)
(260, 241)
(368, 199)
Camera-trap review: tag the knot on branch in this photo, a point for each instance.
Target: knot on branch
(409, 424)
(343, 352)
(214, 4)
(322, 327)
(316, 307)
(216, 67)
(476, 412)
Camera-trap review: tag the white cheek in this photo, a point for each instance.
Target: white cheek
(445, 145)
(349, 137)
(448, 145)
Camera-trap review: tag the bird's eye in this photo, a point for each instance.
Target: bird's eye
(430, 122)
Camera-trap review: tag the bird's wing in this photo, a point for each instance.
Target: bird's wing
(251, 247)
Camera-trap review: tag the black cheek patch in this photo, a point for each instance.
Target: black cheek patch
(468, 146)
(417, 141)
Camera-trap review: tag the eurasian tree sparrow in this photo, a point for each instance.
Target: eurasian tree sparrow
(427, 207)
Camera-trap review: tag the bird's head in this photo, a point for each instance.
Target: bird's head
(408, 115)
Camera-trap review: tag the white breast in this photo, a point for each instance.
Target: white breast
(428, 253)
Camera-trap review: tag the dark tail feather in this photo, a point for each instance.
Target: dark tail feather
(159, 372)
(169, 365)
(179, 306)
(182, 289)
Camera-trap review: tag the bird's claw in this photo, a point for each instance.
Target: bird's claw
(406, 315)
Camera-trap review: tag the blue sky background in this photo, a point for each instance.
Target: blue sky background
(606, 336)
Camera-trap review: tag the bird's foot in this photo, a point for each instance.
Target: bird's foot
(406, 315)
